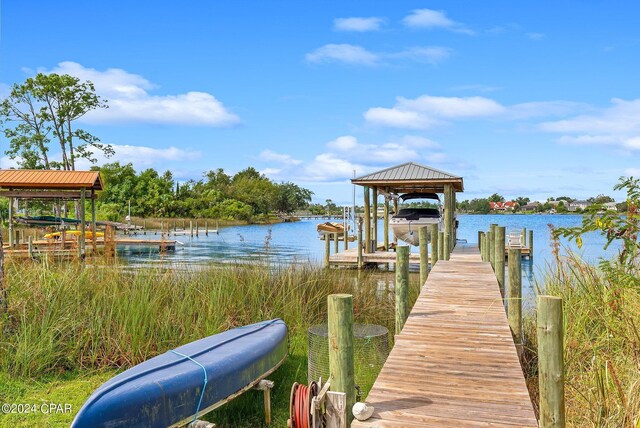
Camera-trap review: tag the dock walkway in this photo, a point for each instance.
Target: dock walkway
(455, 363)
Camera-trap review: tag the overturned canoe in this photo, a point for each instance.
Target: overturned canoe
(330, 227)
(167, 390)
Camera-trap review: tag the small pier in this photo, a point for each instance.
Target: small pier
(455, 363)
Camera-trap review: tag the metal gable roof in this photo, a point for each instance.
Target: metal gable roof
(409, 171)
(50, 179)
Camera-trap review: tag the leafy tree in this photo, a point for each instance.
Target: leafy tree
(496, 198)
(522, 201)
(290, 197)
(561, 208)
(480, 206)
(47, 106)
(601, 199)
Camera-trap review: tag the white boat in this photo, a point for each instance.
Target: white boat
(406, 222)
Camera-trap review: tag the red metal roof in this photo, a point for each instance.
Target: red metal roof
(43, 179)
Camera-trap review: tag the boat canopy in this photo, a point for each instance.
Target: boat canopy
(408, 196)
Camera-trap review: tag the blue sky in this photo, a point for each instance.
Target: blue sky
(531, 99)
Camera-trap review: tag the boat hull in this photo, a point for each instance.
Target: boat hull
(165, 390)
(407, 230)
(330, 227)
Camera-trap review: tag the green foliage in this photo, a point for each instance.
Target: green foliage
(218, 195)
(561, 208)
(46, 107)
(476, 206)
(521, 201)
(496, 198)
(615, 228)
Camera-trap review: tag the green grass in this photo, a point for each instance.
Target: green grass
(68, 328)
(602, 343)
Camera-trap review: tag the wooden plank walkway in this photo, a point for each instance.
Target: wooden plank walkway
(455, 363)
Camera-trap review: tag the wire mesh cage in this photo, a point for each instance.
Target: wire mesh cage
(371, 348)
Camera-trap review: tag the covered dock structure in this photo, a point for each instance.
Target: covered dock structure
(391, 183)
(29, 184)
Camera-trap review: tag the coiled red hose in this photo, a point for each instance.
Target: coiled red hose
(300, 405)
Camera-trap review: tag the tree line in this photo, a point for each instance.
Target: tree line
(560, 205)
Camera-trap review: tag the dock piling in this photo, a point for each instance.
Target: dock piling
(440, 245)
(327, 249)
(530, 244)
(434, 244)
(483, 244)
(341, 352)
(30, 247)
(423, 236)
(367, 220)
(499, 261)
(446, 246)
(402, 286)
(492, 245)
(551, 362)
(523, 237)
(386, 223)
(335, 243)
(359, 242)
(206, 228)
(191, 227)
(514, 305)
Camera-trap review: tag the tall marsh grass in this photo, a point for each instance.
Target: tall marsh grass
(602, 343)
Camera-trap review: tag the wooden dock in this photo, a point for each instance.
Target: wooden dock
(350, 257)
(455, 363)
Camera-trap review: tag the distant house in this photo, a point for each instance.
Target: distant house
(530, 207)
(575, 205)
(611, 206)
(503, 206)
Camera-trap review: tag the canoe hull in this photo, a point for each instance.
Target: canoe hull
(165, 390)
(407, 230)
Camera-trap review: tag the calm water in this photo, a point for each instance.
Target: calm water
(298, 242)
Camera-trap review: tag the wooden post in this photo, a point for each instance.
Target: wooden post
(335, 243)
(94, 236)
(482, 239)
(440, 245)
(395, 212)
(423, 236)
(30, 247)
(479, 239)
(551, 362)
(345, 234)
(402, 286)
(454, 229)
(386, 223)
(341, 352)
(359, 242)
(531, 244)
(492, 245)
(327, 249)
(11, 237)
(144, 226)
(191, 227)
(374, 215)
(197, 229)
(367, 220)
(265, 386)
(206, 228)
(499, 261)
(433, 232)
(83, 225)
(514, 305)
(446, 250)
(448, 218)
(523, 237)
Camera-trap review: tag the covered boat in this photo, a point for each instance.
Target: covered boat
(173, 388)
(406, 222)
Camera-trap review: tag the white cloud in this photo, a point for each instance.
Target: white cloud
(271, 156)
(357, 55)
(426, 111)
(434, 19)
(617, 125)
(345, 154)
(130, 101)
(634, 172)
(349, 54)
(429, 54)
(357, 24)
(536, 36)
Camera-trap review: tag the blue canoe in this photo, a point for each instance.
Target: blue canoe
(166, 390)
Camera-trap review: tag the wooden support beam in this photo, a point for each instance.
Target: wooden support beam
(83, 224)
(531, 244)
(374, 215)
(360, 243)
(266, 386)
(482, 240)
(11, 236)
(448, 218)
(45, 194)
(514, 302)
(433, 232)
(335, 242)
(327, 249)
(367, 220)
(440, 245)
(551, 362)
(446, 246)
(402, 286)
(386, 223)
(492, 245)
(341, 351)
(499, 262)
(423, 236)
